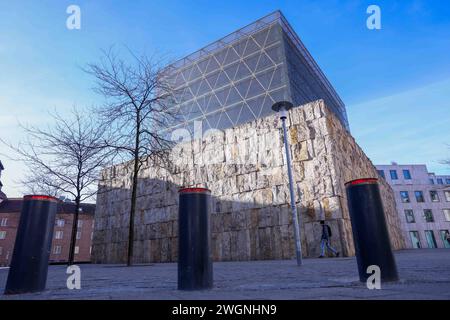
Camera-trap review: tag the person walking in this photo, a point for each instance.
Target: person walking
(325, 240)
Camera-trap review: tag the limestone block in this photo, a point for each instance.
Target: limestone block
(216, 246)
(285, 214)
(280, 194)
(253, 242)
(277, 249)
(239, 220)
(265, 243)
(226, 246)
(146, 251)
(287, 241)
(246, 182)
(165, 249)
(155, 247)
(174, 251)
(263, 197)
(243, 244)
(253, 218)
(265, 217)
(214, 155)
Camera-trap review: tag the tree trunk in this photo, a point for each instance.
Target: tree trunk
(73, 239)
(132, 209)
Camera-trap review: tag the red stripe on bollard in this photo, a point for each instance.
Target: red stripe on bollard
(362, 181)
(194, 190)
(40, 197)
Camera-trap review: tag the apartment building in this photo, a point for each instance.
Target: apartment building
(423, 204)
(9, 220)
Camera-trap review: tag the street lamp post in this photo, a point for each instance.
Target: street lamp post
(282, 108)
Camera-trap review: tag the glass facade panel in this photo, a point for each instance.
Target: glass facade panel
(407, 174)
(445, 237)
(404, 195)
(446, 214)
(244, 73)
(409, 214)
(428, 215)
(419, 196)
(431, 241)
(434, 196)
(415, 241)
(393, 174)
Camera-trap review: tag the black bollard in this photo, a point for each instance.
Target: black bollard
(29, 263)
(195, 270)
(370, 233)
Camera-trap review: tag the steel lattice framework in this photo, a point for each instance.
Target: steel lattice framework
(237, 78)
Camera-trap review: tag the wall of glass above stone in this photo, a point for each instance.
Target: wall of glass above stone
(238, 78)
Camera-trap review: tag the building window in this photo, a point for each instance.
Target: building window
(393, 174)
(77, 249)
(447, 196)
(445, 236)
(447, 181)
(60, 222)
(4, 222)
(434, 196)
(90, 249)
(2, 235)
(78, 234)
(419, 196)
(428, 215)
(59, 235)
(431, 181)
(1, 251)
(446, 214)
(92, 235)
(414, 235)
(381, 173)
(440, 181)
(407, 174)
(431, 241)
(409, 214)
(57, 250)
(404, 195)
(80, 223)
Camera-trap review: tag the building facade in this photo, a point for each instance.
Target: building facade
(245, 169)
(423, 203)
(231, 85)
(9, 220)
(237, 78)
(2, 194)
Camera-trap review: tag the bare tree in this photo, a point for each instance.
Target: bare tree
(36, 183)
(138, 108)
(65, 159)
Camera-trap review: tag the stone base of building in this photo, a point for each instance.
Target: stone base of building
(245, 168)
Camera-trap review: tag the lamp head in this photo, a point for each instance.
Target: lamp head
(282, 107)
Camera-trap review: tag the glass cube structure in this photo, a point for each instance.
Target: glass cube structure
(237, 78)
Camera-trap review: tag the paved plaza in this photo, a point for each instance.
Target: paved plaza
(425, 274)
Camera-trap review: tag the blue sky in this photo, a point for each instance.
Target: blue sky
(395, 81)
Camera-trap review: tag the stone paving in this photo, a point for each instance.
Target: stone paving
(425, 274)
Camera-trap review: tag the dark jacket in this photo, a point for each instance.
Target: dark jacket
(325, 233)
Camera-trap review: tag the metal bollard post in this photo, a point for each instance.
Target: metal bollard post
(29, 263)
(195, 271)
(370, 233)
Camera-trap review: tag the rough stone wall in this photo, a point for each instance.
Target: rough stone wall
(245, 168)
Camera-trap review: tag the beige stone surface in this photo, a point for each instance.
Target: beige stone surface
(245, 168)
